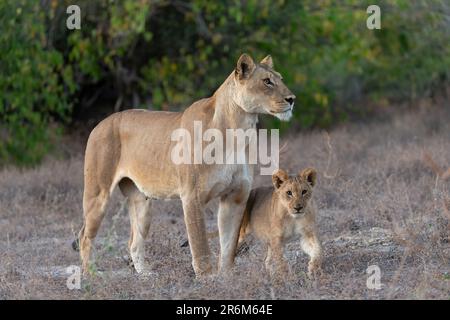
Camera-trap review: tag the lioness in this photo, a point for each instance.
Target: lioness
(283, 213)
(132, 149)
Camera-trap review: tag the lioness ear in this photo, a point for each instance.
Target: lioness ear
(245, 66)
(278, 177)
(267, 61)
(309, 175)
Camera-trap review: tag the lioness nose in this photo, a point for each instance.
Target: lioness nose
(298, 208)
(290, 99)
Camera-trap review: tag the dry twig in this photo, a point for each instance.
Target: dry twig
(330, 155)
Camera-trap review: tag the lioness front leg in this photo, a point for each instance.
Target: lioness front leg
(198, 242)
(311, 245)
(231, 211)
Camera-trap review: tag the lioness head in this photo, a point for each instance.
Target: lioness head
(295, 192)
(260, 89)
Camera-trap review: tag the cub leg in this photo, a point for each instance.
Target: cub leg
(312, 247)
(275, 262)
(243, 232)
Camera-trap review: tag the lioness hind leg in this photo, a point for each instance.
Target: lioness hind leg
(140, 217)
(94, 211)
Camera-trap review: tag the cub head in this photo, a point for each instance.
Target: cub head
(260, 89)
(295, 192)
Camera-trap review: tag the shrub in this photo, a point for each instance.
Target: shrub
(167, 54)
(34, 83)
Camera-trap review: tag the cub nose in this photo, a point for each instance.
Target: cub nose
(290, 99)
(298, 207)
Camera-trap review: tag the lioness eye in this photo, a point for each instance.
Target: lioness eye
(267, 82)
(289, 193)
(304, 192)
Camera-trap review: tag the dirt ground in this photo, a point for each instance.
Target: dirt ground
(383, 196)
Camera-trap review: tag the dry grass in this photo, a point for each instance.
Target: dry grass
(383, 196)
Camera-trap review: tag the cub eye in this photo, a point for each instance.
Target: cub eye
(267, 82)
(289, 193)
(304, 192)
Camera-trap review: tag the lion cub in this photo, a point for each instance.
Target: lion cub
(284, 213)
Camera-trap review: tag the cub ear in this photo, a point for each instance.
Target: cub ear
(245, 66)
(267, 61)
(279, 177)
(309, 175)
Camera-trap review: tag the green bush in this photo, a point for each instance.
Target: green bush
(34, 84)
(167, 54)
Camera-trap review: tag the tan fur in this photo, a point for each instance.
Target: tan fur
(271, 215)
(132, 149)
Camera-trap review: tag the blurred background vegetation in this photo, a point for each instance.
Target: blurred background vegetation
(163, 55)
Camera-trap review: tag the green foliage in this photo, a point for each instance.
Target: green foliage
(167, 54)
(34, 83)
